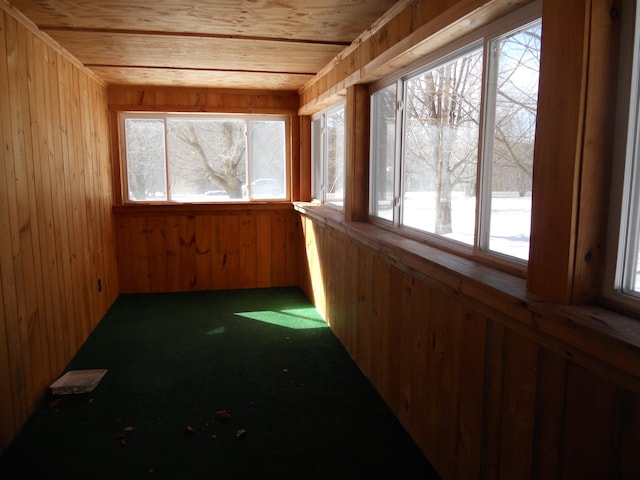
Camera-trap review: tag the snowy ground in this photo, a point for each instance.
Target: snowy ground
(510, 219)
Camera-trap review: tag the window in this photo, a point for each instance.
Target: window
(328, 156)
(203, 158)
(452, 143)
(622, 278)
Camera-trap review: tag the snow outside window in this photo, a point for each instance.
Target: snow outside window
(452, 144)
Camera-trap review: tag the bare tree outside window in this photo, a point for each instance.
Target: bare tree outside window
(433, 170)
(335, 128)
(383, 131)
(441, 142)
(513, 91)
(207, 158)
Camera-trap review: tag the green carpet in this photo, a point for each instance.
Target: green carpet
(303, 408)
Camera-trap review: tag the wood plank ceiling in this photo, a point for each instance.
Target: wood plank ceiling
(262, 44)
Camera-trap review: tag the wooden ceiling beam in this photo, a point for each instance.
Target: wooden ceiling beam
(54, 28)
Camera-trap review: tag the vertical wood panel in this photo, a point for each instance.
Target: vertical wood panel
(53, 213)
(421, 341)
(248, 251)
(10, 360)
(552, 380)
(203, 253)
(518, 412)
(468, 464)
(406, 327)
(588, 426)
(263, 251)
(493, 378)
(627, 444)
(158, 256)
(18, 224)
(294, 245)
(40, 321)
(443, 382)
(381, 281)
(363, 319)
(186, 253)
(278, 248)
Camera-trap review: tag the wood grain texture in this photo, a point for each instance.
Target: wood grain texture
(194, 77)
(357, 153)
(204, 40)
(168, 252)
(415, 29)
(329, 21)
(478, 386)
(105, 49)
(55, 208)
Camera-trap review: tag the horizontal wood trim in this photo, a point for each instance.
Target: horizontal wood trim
(171, 99)
(247, 208)
(183, 77)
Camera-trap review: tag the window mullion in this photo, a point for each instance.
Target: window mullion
(166, 158)
(487, 130)
(399, 153)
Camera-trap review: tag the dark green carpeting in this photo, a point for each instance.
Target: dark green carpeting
(174, 360)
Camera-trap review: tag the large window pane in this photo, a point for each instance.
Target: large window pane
(335, 129)
(207, 159)
(442, 111)
(383, 131)
(515, 65)
(146, 164)
(267, 159)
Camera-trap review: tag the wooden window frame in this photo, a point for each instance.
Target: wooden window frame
(165, 116)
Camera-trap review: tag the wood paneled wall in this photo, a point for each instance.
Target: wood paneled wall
(56, 230)
(469, 371)
(209, 248)
(201, 247)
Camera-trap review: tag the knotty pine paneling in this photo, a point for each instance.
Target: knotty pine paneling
(56, 230)
(484, 395)
(210, 249)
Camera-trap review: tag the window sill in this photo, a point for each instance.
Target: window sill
(602, 340)
(201, 208)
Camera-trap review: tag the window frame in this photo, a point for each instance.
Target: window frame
(320, 166)
(623, 228)
(484, 36)
(165, 116)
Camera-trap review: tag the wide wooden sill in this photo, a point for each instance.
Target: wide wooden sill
(235, 208)
(598, 338)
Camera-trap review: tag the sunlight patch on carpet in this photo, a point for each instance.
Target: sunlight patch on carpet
(294, 318)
